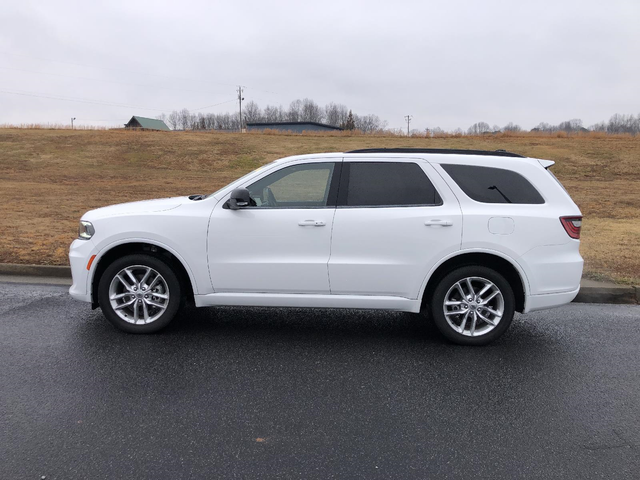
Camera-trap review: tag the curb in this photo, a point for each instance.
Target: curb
(588, 294)
(35, 270)
(607, 294)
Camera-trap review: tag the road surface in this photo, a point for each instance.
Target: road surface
(259, 393)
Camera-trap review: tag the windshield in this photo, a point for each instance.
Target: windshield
(239, 180)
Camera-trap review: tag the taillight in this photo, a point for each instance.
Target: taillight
(572, 226)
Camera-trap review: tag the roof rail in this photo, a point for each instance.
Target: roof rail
(446, 151)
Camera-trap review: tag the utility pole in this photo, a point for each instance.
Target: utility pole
(72, 119)
(408, 119)
(240, 99)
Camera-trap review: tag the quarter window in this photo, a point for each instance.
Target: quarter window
(493, 185)
(388, 184)
(298, 186)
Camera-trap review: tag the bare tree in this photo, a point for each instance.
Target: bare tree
(193, 122)
(185, 119)
(624, 124)
(201, 122)
(174, 119)
(272, 114)
(282, 114)
(574, 125)
(335, 114)
(369, 123)
(252, 112)
(311, 111)
(479, 128)
(210, 121)
(544, 127)
(512, 127)
(226, 121)
(295, 111)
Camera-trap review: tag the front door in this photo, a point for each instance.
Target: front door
(282, 243)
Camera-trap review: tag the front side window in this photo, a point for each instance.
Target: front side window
(297, 186)
(493, 185)
(388, 184)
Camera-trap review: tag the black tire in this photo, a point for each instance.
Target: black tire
(172, 284)
(449, 281)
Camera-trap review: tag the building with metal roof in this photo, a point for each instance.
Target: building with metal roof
(142, 123)
(295, 127)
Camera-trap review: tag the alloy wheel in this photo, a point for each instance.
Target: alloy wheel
(473, 306)
(139, 294)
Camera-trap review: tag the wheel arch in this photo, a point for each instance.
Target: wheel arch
(509, 269)
(119, 250)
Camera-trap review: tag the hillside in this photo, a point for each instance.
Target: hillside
(49, 178)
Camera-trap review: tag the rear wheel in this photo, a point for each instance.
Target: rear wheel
(473, 305)
(139, 293)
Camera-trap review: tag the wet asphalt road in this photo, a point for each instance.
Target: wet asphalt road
(258, 393)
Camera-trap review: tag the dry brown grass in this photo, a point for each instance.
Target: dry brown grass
(53, 126)
(49, 178)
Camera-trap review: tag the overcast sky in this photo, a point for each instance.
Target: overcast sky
(448, 63)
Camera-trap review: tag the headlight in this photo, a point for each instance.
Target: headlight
(85, 230)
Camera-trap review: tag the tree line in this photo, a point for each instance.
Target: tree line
(305, 110)
(617, 124)
(339, 115)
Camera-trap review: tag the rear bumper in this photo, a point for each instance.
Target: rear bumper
(79, 254)
(549, 300)
(553, 269)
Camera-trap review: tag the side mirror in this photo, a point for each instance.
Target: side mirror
(239, 198)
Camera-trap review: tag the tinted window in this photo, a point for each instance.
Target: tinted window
(389, 184)
(297, 186)
(493, 185)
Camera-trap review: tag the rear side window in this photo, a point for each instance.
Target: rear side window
(388, 184)
(493, 185)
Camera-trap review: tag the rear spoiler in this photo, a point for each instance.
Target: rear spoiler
(547, 163)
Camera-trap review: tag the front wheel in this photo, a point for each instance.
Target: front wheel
(473, 305)
(139, 293)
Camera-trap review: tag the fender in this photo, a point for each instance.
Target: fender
(497, 253)
(150, 241)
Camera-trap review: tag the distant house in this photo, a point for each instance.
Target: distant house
(142, 123)
(295, 127)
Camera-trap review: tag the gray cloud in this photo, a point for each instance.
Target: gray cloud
(449, 64)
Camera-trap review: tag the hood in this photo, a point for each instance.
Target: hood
(145, 206)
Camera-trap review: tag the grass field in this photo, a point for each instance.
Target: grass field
(49, 178)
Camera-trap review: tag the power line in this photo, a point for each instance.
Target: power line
(106, 81)
(115, 69)
(130, 71)
(66, 98)
(214, 105)
(77, 100)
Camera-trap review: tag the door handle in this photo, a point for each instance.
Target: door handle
(311, 223)
(438, 223)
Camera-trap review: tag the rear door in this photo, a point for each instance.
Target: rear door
(395, 219)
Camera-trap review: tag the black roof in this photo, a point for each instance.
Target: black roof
(280, 124)
(450, 151)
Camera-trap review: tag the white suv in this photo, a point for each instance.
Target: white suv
(468, 237)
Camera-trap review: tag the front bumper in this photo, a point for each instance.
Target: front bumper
(80, 253)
